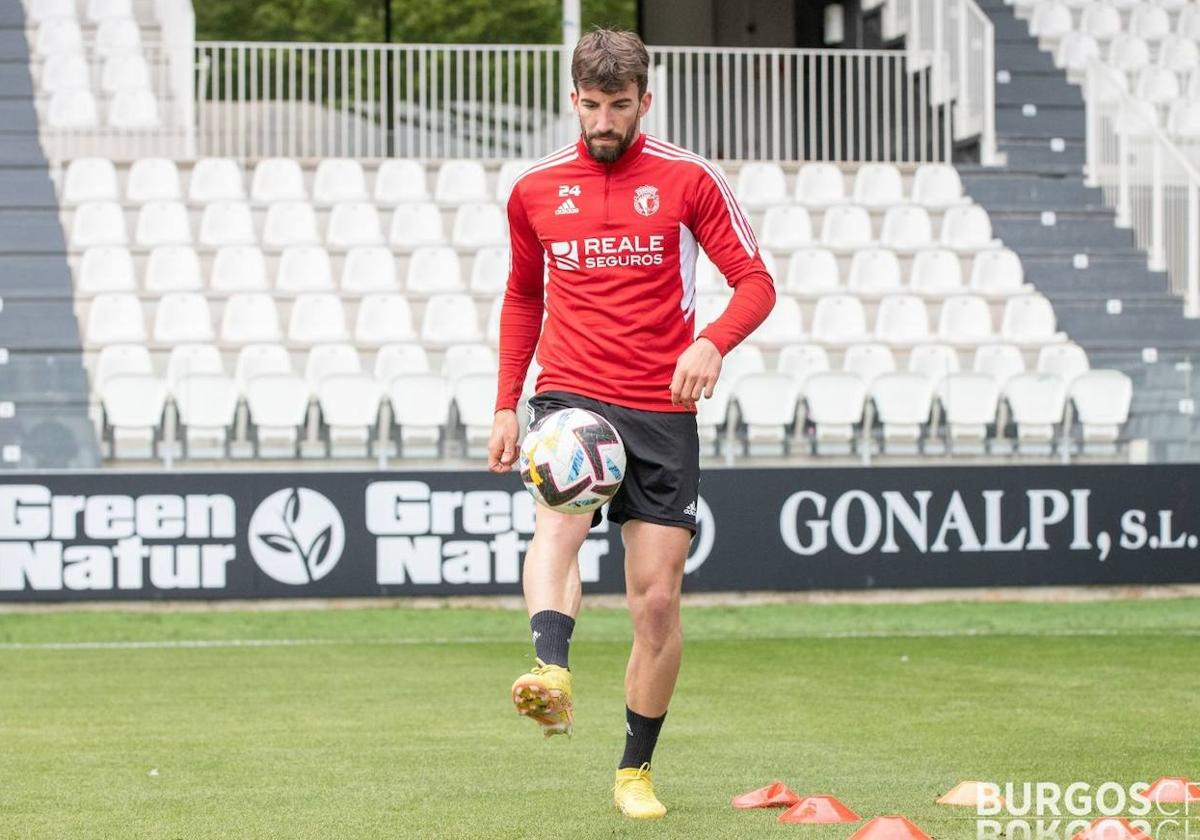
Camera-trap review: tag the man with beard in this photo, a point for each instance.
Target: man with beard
(618, 217)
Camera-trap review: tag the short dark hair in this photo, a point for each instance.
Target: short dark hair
(609, 59)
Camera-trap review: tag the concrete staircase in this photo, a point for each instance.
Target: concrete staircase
(43, 385)
(1105, 297)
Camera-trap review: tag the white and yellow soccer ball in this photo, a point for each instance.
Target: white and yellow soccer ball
(572, 461)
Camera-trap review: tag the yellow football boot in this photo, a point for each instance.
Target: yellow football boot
(544, 694)
(633, 794)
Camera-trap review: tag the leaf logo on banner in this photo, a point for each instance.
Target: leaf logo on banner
(296, 536)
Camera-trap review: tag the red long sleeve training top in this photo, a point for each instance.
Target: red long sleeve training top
(617, 244)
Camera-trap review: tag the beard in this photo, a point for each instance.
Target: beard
(608, 152)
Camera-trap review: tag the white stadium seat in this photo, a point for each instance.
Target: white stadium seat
(761, 184)
(1150, 22)
(967, 228)
(878, 185)
(278, 406)
(125, 71)
(1029, 319)
(290, 223)
(1037, 402)
(1100, 20)
(933, 361)
(1188, 22)
(839, 319)
(277, 180)
(767, 404)
(1128, 53)
(350, 409)
(153, 179)
(475, 398)
(1066, 361)
(492, 330)
(489, 270)
(317, 319)
(903, 405)
(709, 309)
(72, 108)
(835, 403)
(812, 272)
(305, 268)
(1101, 399)
(786, 228)
(133, 407)
(238, 268)
(192, 360)
(1157, 85)
(421, 408)
(867, 361)
(58, 36)
(98, 223)
(450, 319)
(784, 325)
(997, 272)
(65, 71)
(433, 269)
(970, 402)
(250, 318)
(392, 360)
(937, 185)
(173, 268)
(1137, 118)
(800, 361)
(902, 320)
(846, 228)
(1183, 121)
(1051, 20)
(874, 271)
(477, 225)
(1001, 362)
(353, 225)
(181, 318)
(368, 270)
(216, 179)
(40, 11)
(906, 229)
(463, 359)
(330, 360)
(1074, 52)
(416, 224)
(400, 181)
(460, 182)
(1179, 54)
(90, 179)
(116, 359)
(965, 319)
(117, 35)
(227, 223)
(207, 404)
(115, 319)
(106, 269)
(384, 319)
(258, 360)
(820, 185)
(936, 271)
(133, 108)
(339, 179)
(163, 223)
(510, 170)
(708, 278)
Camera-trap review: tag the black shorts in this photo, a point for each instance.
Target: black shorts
(662, 459)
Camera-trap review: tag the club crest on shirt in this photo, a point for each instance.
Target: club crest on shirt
(645, 200)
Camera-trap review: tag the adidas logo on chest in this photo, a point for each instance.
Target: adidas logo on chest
(566, 208)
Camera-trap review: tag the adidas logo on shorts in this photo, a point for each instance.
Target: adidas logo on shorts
(566, 208)
(690, 510)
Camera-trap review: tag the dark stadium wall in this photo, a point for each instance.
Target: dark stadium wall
(714, 23)
(43, 386)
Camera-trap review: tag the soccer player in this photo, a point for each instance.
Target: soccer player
(617, 218)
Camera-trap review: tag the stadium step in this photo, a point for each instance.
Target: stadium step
(1105, 276)
(39, 276)
(31, 231)
(1000, 190)
(1022, 55)
(1088, 230)
(26, 187)
(39, 325)
(1038, 89)
(1043, 123)
(43, 377)
(1064, 156)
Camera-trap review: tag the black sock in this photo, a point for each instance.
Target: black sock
(552, 636)
(641, 734)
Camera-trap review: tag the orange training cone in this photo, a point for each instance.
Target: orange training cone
(889, 828)
(973, 794)
(1172, 789)
(818, 809)
(1111, 828)
(774, 795)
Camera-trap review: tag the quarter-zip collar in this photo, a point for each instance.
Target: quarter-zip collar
(627, 158)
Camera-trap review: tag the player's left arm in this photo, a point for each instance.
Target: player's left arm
(723, 231)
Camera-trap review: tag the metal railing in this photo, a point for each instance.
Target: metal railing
(1151, 183)
(444, 100)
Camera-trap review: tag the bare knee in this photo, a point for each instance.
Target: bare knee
(655, 613)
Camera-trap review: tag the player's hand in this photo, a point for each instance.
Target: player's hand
(696, 373)
(502, 446)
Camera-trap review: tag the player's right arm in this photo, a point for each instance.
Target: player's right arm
(520, 326)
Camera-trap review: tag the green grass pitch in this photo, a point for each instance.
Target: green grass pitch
(396, 723)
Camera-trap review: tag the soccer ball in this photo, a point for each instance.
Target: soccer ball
(572, 461)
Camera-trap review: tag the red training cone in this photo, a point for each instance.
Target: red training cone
(1172, 789)
(818, 809)
(774, 795)
(1111, 828)
(889, 828)
(973, 794)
